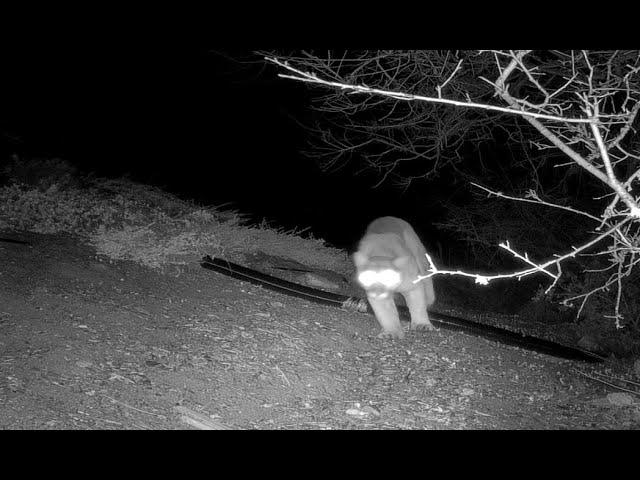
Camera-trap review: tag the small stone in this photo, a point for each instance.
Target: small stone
(620, 399)
(356, 412)
(370, 411)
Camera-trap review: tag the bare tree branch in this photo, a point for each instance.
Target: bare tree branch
(583, 104)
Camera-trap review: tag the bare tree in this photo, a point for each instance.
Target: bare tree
(583, 104)
(400, 140)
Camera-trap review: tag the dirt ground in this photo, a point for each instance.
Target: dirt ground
(89, 344)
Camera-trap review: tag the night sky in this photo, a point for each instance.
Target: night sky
(192, 121)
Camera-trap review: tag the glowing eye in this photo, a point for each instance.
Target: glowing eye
(368, 278)
(388, 278)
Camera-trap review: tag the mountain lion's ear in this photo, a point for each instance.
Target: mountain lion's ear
(359, 258)
(400, 262)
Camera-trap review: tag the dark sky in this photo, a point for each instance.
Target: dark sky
(190, 120)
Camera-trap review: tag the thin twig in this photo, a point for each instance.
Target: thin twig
(485, 279)
(283, 375)
(608, 383)
(313, 78)
(536, 200)
(133, 408)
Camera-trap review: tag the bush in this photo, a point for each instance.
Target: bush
(125, 220)
(42, 173)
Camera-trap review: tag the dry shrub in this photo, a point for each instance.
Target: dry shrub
(125, 220)
(42, 173)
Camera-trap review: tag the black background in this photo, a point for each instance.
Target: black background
(191, 119)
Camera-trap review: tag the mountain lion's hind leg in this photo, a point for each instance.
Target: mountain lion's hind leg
(417, 303)
(387, 316)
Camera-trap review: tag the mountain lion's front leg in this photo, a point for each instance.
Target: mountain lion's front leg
(417, 302)
(387, 315)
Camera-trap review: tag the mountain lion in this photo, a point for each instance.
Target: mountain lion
(389, 257)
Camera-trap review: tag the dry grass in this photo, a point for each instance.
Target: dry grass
(125, 220)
